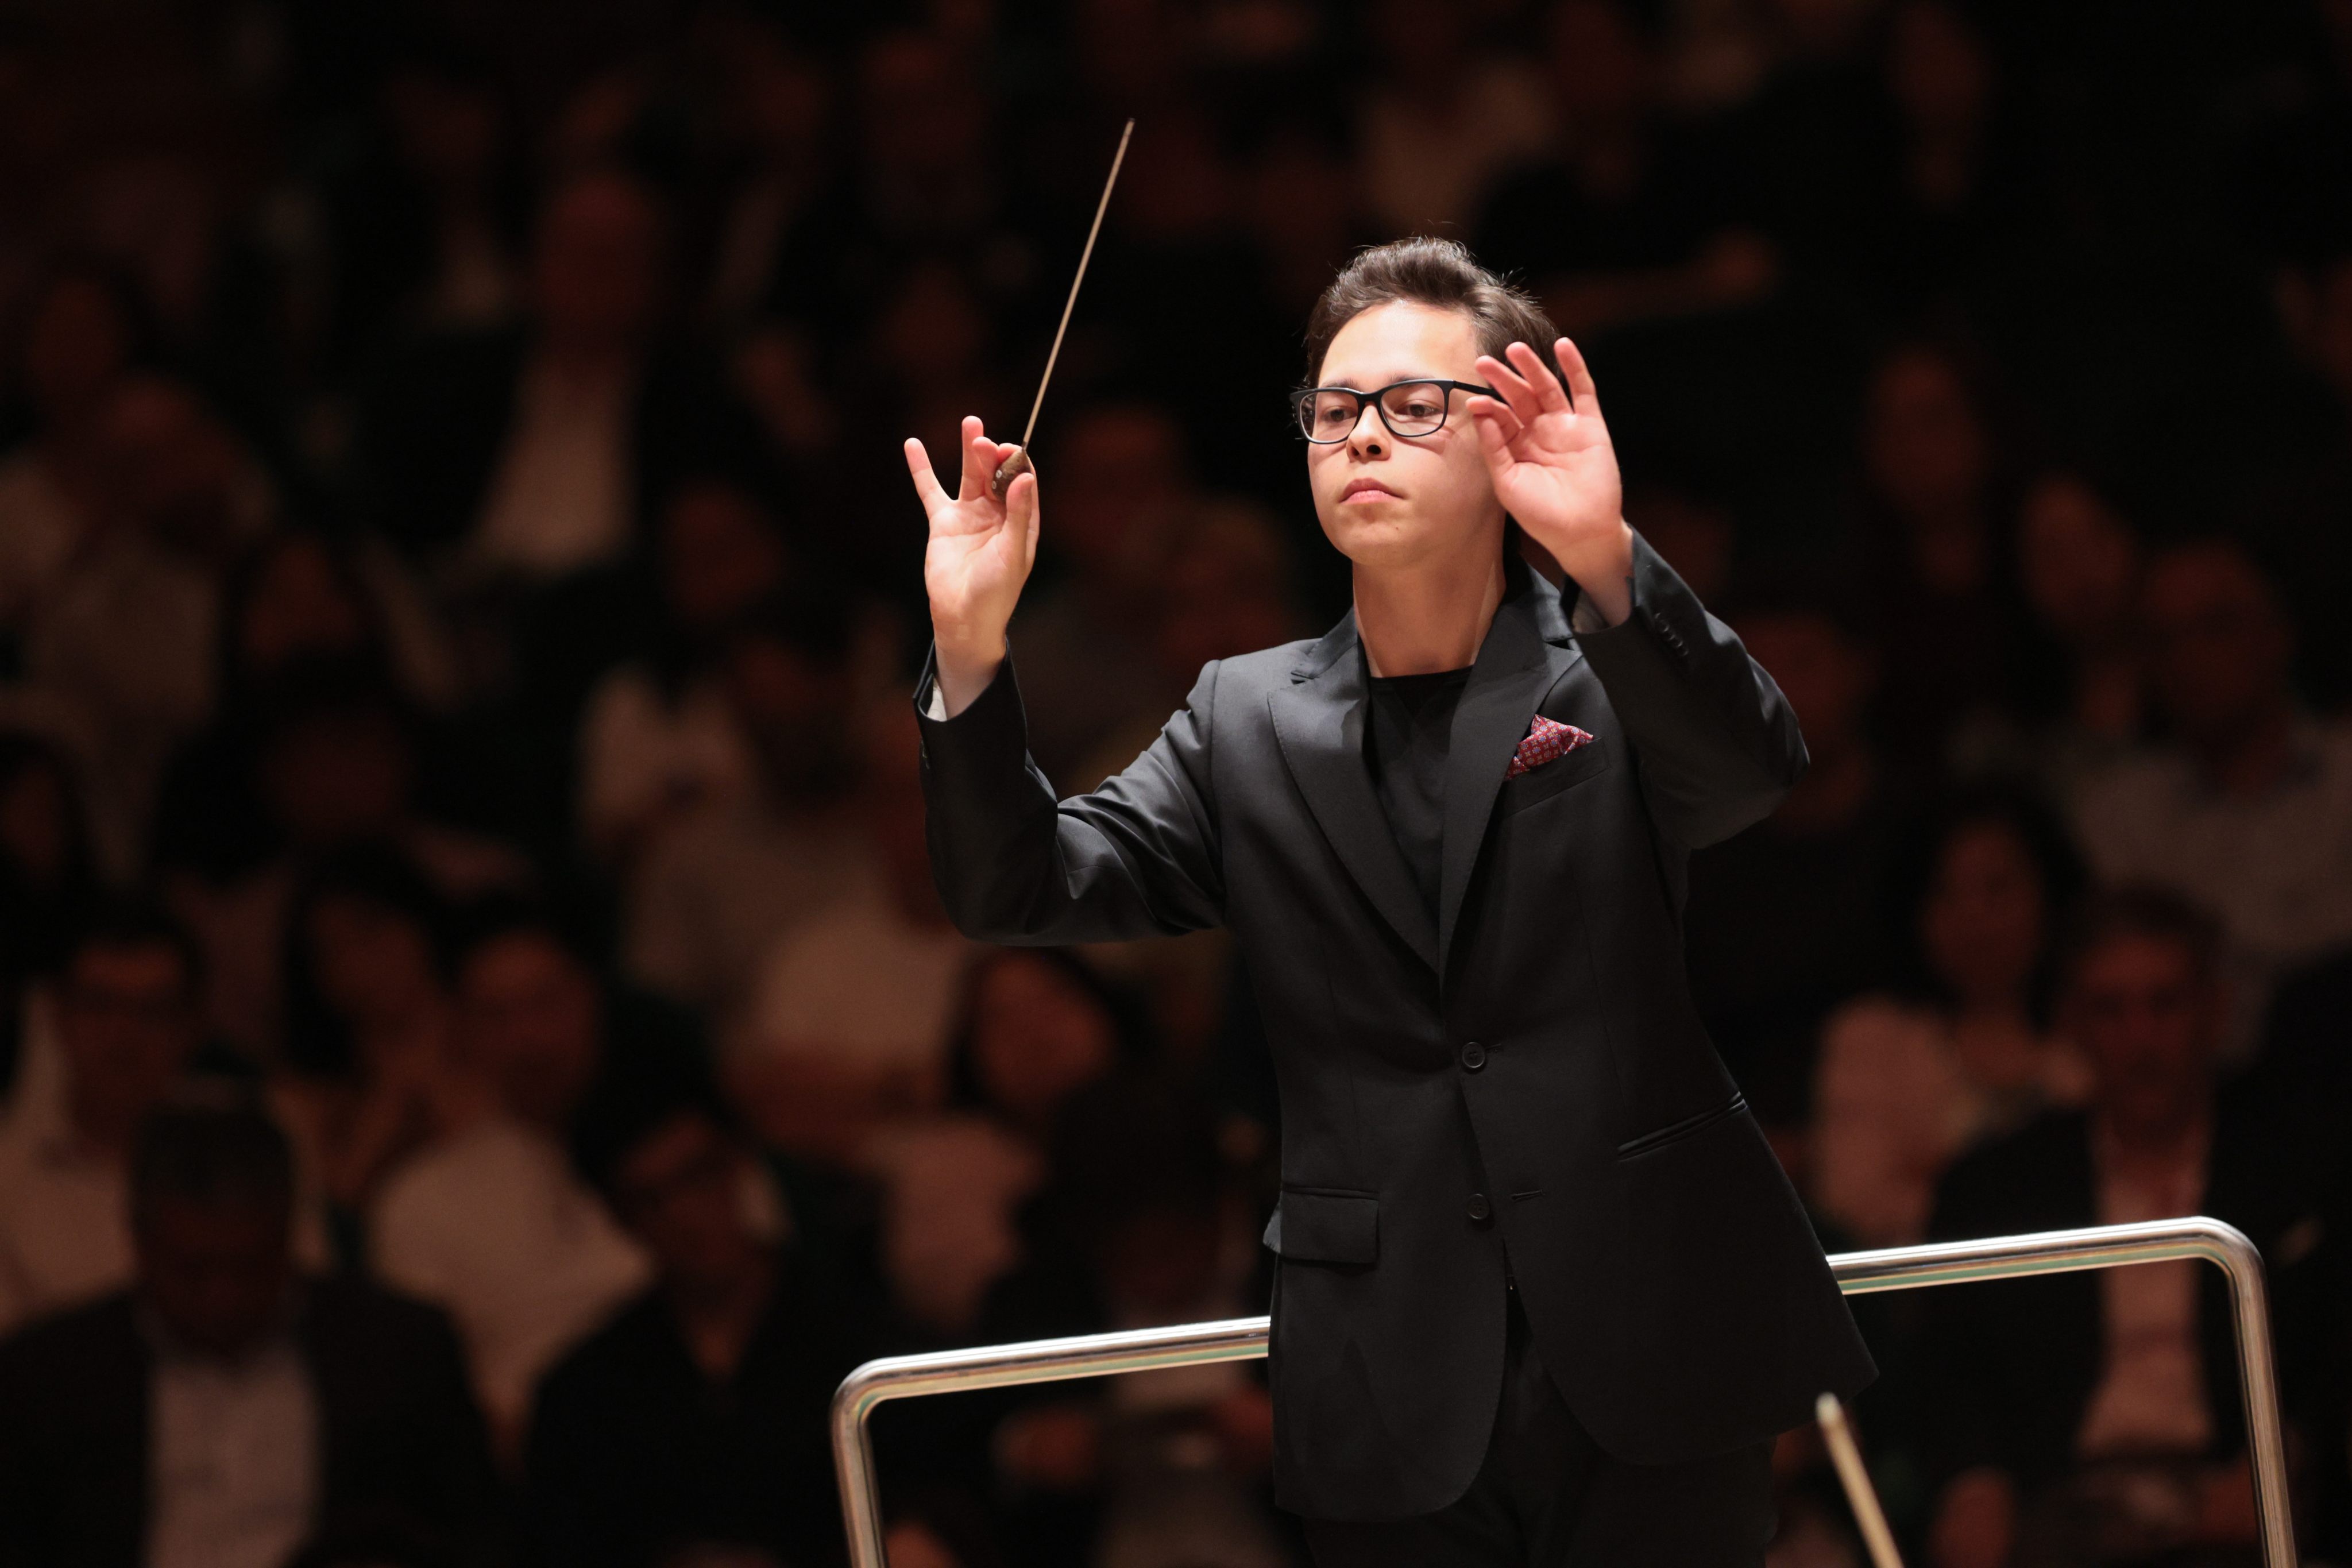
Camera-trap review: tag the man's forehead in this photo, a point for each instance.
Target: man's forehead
(1400, 341)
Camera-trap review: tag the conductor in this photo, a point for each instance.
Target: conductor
(1544, 1296)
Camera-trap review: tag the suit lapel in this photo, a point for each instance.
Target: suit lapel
(1526, 650)
(1319, 720)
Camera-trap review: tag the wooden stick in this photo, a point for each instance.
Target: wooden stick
(1858, 1493)
(1018, 463)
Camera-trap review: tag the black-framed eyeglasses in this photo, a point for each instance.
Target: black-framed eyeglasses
(1328, 415)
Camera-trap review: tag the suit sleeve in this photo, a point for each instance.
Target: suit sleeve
(1139, 856)
(1717, 744)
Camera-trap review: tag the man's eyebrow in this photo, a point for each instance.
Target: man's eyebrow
(1387, 380)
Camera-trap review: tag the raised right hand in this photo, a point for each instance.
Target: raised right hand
(979, 556)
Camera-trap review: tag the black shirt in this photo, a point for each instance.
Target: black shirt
(1405, 739)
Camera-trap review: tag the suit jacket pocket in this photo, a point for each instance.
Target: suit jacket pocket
(1676, 1132)
(1324, 1226)
(1561, 772)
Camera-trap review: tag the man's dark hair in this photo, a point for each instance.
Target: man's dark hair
(128, 921)
(318, 1039)
(496, 916)
(612, 1126)
(211, 1144)
(2156, 914)
(2059, 873)
(1440, 273)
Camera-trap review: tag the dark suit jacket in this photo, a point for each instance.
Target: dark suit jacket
(2010, 1366)
(1523, 1070)
(433, 424)
(400, 1440)
(634, 1453)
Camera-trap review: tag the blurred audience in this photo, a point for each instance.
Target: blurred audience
(693, 1424)
(1964, 1050)
(449, 458)
(227, 1406)
(372, 1069)
(721, 883)
(657, 739)
(1934, 551)
(127, 1018)
(1037, 1027)
(2083, 680)
(2246, 806)
(2094, 1417)
(1630, 220)
(850, 1018)
(1820, 864)
(1082, 641)
(492, 1220)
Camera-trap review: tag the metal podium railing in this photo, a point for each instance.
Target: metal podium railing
(1897, 1268)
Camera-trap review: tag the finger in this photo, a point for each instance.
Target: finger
(927, 483)
(1580, 377)
(1021, 512)
(1494, 444)
(1494, 411)
(1539, 376)
(1510, 386)
(979, 460)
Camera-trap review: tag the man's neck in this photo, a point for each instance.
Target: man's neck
(719, 1317)
(1427, 620)
(2156, 1136)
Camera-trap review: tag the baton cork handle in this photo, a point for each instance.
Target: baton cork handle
(1011, 469)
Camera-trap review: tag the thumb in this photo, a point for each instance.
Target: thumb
(1021, 512)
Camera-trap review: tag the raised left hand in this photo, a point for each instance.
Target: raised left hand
(1554, 469)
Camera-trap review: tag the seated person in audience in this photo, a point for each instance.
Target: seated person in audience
(128, 1020)
(719, 887)
(695, 1421)
(338, 763)
(2082, 684)
(47, 875)
(1909, 1078)
(373, 1071)
(180, 495)
(1625, 220)
(1139, 1226)
(493, 1221)
(2095, 1417)
(848, 1025)
(2243, 809)
(1038, 1026)
(659, 737)
(227, 1408)
(532, 451)
(295, 600)
(1787, 918)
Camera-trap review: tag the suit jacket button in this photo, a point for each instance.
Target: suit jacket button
(1473, 1056)
(1481, 1211)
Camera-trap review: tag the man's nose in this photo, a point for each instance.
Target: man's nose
(1368, 417)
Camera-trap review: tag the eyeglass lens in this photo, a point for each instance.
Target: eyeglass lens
(1411, 408)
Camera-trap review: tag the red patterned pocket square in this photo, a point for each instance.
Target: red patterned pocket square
(1547, 740)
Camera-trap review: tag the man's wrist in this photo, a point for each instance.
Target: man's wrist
(1608, 585)
(962, 670)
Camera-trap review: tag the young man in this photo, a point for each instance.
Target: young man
(1544, 1295)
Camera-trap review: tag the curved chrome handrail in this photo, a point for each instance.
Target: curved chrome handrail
(1895, 1269)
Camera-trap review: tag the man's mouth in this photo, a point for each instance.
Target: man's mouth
(1368, 490)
